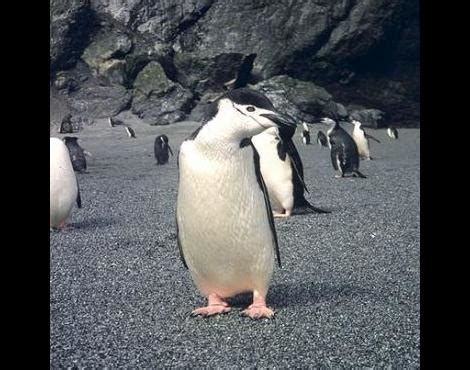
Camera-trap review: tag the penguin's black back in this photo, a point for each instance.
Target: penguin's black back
(77, 155)
(343, 147)
(161, 149)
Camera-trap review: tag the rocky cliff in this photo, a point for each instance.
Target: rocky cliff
(165, 59)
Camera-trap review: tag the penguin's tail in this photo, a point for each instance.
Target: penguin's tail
(358, 174)
(305, 207)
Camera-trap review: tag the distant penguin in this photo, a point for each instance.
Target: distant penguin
(66, 126)
(282, 172)
(226, 233)
(361, 138)
(64, 190)
(77, 154)
(305, 134)
(322, 139)
(130, 132)
(161, 149)
(343, 150)
(392, 132)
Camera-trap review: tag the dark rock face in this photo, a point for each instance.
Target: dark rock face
(70, 27)
(301, 54)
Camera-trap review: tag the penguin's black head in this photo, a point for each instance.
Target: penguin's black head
(164, 138)
(251, 111)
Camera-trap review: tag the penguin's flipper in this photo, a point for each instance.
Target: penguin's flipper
(178, 242)
(269, 211)
(371, 137)
(79, 197)
(169, 148)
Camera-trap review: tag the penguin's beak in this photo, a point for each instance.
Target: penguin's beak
(280, 119)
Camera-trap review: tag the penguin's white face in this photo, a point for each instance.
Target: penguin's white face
(246, 120)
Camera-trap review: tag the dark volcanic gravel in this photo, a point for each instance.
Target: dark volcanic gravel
(347, 295)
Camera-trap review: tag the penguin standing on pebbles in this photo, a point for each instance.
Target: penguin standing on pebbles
(343, 150)
(305, 134)
(392, 132)
(161, 149)
(64, 190)
(361, 138)
(225, 226)
(283, 172)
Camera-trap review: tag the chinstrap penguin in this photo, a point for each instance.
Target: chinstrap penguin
(343, 150)
(392, 132)
(361, 138)
(305, 134)
(161, 149)
(64, 190)
(77, 154)
(130, 132)
(225, 226)
(282, 172)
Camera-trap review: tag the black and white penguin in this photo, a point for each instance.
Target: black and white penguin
(66, 126)
(225, 225)
(161, 149)
(343, 150)
(392, 132)
(64, 190)
(361, 138)
(77, 154)
(322, 139)
(305, 134)
(283, 172)
(113, 121)
(130, 132)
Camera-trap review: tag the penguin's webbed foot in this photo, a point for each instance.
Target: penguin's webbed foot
(216, 305)
(282, 215)
(257, 311)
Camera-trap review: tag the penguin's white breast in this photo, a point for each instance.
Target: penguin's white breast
(222, 220)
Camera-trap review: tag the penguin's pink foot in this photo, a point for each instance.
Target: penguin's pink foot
(258, 309)
(216, 305)
(281, 215)
(258, 312)
(63, 226)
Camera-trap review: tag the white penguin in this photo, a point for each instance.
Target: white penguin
(64, 189)
(225, 226)
(361, 139)
(282, 172)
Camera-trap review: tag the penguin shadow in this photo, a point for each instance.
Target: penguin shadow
(307, 293)
(93, 223)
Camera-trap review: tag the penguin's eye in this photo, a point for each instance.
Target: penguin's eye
(250, 109)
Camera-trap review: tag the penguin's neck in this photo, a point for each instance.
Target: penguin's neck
(223, 135)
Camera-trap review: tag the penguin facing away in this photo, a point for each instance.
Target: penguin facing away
(161, 149)
(64, 190)
(225, 227)
(361, 138)
(77, 154)
(282, 172)
(343, 150)
(392, 132)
